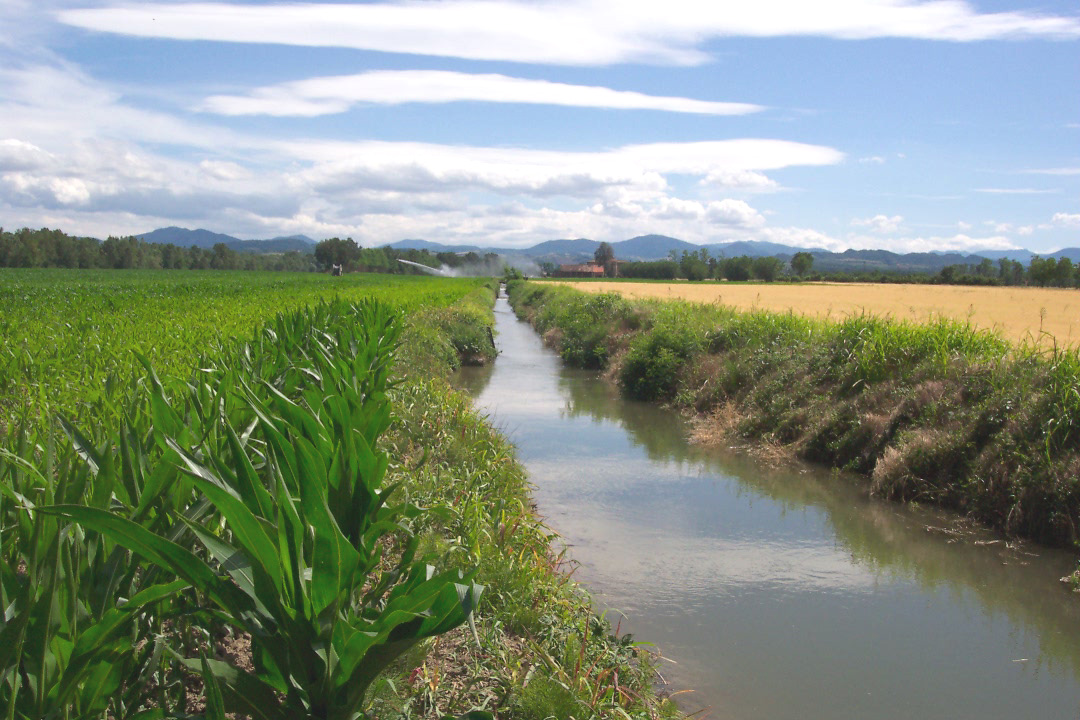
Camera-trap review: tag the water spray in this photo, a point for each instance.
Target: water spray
(426, 268)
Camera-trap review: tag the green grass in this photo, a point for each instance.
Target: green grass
(939, 412)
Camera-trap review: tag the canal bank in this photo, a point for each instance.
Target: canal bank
(780, 593)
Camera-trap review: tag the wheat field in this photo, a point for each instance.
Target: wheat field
(1043, 315)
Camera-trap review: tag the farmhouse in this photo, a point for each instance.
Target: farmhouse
(588, 270)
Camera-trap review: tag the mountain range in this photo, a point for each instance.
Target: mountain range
(642, 247)
(659, 247)
(182, 237)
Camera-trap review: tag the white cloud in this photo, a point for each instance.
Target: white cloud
(745, 180)
(59, 104)
(677, 209)
(1016, 191)
(960, 242)
(19, 155)
(583, 32)
(78, 154)
(733, 213)
(224, 170)
(872, 160)
(542, 173)
(329, 95)
(48, 191)
(879, 223)
(1069, 220)
(1054, 171)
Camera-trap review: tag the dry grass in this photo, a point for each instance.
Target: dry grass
(720, 425)
(1017, 313)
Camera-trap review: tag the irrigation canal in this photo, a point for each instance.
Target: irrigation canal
(780, 594)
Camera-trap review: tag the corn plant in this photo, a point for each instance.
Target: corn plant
(73, 602)
(259, 492)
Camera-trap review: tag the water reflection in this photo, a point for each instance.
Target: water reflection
(782, 593)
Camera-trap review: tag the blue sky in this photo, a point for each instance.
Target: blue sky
(896, 124)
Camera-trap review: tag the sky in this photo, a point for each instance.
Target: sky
(904, 125)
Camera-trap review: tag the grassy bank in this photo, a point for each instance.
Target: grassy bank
(303, 522)
(542, 652)
(934, 412)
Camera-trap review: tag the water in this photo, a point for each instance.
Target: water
(783, 593)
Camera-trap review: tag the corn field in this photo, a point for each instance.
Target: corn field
(144, 517)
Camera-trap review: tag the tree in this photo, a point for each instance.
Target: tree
(801, 263)
(1010, 271)
(766, 268)
(1042, 271)
(605, 258)
(693, 266)
(736, 269)
(223, 257)
(336, 251)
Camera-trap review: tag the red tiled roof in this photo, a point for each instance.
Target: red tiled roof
(595, 269)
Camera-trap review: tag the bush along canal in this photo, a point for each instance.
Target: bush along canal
(777, 593)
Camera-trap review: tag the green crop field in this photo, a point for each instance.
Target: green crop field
(70, 339)
(253, 495)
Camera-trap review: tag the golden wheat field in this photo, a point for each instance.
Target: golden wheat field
(1040, 314)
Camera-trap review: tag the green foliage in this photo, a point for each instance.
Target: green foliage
(937, 411)
(655, 357)
(655, 270)
(801, 262)
(582, 320)
(72, 336)
(605, 258)
(694, 265)
(44, 248)
(736, 269)
(288, 488)
(766, 268)
(279, 519)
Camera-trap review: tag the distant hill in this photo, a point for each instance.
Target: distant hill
(290, 243)
(1071, 253)
(642, 247)
(435, 247)
(577, 246)
(650, 247)
(884, 260)
(182, 237)
(1020, 256)
(186, 238)
(758, 248)
(1024, 256)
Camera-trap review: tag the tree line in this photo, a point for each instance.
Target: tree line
(1040, 272)
(45, 248)
(353, 258)
(700, 265)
